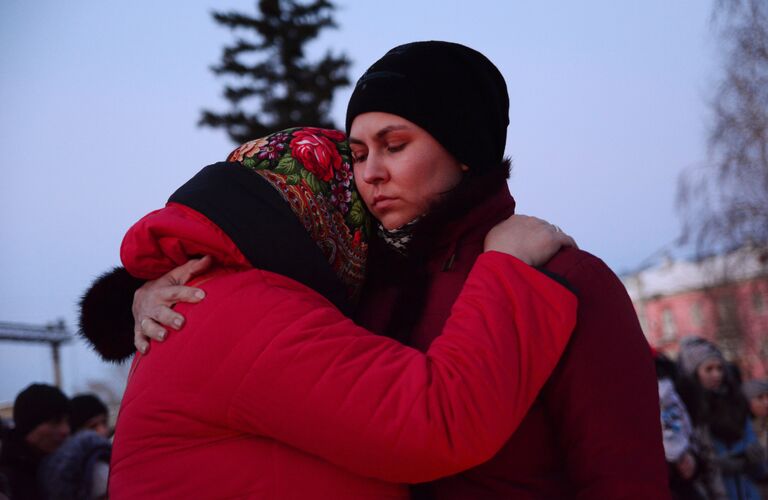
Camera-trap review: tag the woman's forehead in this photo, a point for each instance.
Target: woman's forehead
(377, 125)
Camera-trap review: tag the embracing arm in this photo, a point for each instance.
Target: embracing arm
(384, 410)
(107, 304)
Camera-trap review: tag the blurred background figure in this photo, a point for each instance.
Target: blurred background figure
(79, 469)
(87, 411)
(4, 486)
(40, 415)
(756, 392)
(730, 455)
(684, 481)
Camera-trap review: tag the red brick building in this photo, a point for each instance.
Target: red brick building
(722, 298)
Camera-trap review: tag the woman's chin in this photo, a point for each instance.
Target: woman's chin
(391, 222)
(388, 225)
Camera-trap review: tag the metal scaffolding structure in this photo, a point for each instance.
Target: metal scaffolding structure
(54, 334)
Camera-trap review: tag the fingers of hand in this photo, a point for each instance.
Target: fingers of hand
(168, 295)
(153, 330)
(178, 275)
(140, 341)
(179, 293)
(201, 265)
(140, 295)
(565, 240)
(185, 272)
(167, 317)
(139, 298)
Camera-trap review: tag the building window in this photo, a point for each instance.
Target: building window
(726, 309)
(728, 328)
(697, 317)
(668, 326)
(758, 302)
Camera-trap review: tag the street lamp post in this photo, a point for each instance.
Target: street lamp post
(53, 334)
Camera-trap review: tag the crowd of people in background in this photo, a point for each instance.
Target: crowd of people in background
(58, 449)
(715, 426)
(715, 429)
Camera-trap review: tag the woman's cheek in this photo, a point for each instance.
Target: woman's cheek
(366, 194)
(359, 184)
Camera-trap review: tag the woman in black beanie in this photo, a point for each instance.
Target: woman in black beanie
(427, 125)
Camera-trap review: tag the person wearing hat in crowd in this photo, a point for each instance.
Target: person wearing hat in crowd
(79, 468)
(427, 125)
(88, 411)
(756, 392)
(40, 427)
(730, 453)
(271, 392)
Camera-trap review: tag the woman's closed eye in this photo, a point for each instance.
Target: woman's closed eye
(358, 157)
(394, 148)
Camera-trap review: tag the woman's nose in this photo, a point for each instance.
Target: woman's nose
(374, 170)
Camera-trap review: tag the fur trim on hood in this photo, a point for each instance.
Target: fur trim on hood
(106, 321)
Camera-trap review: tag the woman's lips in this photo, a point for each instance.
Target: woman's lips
(383, 202)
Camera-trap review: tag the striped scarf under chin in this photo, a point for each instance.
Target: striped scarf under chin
(398, 239)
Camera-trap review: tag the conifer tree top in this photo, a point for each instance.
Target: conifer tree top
(271, 84)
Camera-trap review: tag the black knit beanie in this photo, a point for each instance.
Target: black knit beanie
(37, 404)
(83, 408)
(453, 92)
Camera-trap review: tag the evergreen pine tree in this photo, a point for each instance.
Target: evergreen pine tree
(281, 89)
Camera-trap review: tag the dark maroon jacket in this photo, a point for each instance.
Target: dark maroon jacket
(594, 432)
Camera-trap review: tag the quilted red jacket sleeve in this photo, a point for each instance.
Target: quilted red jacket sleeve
(384, 410)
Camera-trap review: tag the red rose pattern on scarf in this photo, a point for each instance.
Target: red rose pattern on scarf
(311, 168)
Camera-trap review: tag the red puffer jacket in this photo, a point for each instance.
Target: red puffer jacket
(270, 392)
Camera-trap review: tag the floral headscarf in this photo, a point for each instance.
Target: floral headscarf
(311, 169)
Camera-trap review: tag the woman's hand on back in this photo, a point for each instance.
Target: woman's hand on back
(530, 239)
(152, 303)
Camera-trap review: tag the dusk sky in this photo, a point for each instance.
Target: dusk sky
(99, 103)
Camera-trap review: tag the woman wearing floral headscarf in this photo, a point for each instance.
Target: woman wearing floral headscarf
(270, 391)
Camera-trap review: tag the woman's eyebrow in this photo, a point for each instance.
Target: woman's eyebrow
(389, 128)
(381, 133)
